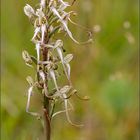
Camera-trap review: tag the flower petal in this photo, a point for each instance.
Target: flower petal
(52, 74)
(64, 3)
(38, 51)
(67, 112)
(37, 30)
(29, 96)
(43, 30)
(42, 75)
(68, 69)
(43, 3)
(62, 60)
(64, 25)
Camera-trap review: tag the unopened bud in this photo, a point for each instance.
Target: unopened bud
(27, 57)
(28, 10)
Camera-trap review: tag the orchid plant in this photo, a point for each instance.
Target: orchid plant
(49, 18)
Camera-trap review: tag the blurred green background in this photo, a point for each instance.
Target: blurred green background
(106, 70)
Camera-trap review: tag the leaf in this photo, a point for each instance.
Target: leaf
(68, 58)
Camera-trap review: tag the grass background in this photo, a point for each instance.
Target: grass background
(106, 70)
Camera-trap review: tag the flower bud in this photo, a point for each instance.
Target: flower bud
(27, 57)
(68, 58)
(28, 10)
(55, 67)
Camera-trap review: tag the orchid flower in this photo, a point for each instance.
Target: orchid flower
(49, 18)
(64, 24)
(29, 11)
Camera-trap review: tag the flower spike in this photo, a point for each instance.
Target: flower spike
(48, 19)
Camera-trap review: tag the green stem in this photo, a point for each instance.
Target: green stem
(46, 109)
(46, 99)
(47, 123)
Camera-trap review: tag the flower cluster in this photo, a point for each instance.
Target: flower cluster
(49, 18)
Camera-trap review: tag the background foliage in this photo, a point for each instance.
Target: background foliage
(106, 70)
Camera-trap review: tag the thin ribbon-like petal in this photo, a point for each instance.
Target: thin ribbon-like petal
(38, 51)
(68, 69)
(64, 3)
(28, 102)
(67, 112)
(52, 74)
(64, 24)
(62, 60)
(37, 30)
(29, 96)
(43, 3)
(43, 30)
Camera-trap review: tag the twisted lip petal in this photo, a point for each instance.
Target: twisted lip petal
(64, 3)
(64, 24)
(67, 112)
